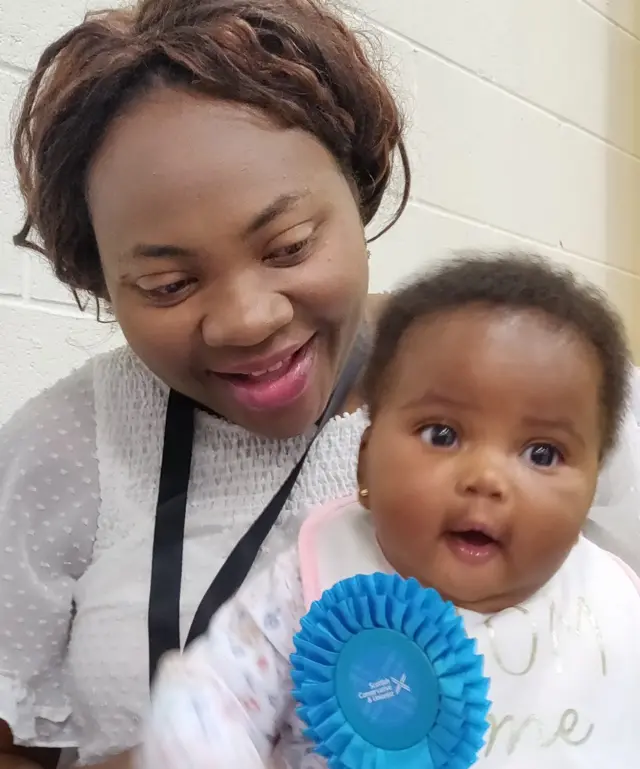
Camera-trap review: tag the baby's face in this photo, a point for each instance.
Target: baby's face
(482, 459)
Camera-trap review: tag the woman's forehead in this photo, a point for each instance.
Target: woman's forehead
(176, 152)
(173, 134)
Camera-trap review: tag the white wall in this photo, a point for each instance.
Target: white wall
(524, 130)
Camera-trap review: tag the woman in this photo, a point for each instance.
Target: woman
(207, 169)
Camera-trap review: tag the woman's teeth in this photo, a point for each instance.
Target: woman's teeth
(271, 369)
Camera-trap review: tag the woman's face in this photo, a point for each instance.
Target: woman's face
(234, 256)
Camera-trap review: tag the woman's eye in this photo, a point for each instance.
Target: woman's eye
(543, 455)
(172, 288)
(167, 290)
(290, 253)
(166, 293)
(441, 436)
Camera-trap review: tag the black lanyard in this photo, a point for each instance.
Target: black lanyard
(171, 509)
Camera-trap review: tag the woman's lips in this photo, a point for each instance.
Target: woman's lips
(276, 386)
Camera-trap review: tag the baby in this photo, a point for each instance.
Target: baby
(495, 390)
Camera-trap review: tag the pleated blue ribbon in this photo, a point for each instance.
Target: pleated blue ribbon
(386, 678)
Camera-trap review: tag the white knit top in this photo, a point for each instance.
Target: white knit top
(79, 472)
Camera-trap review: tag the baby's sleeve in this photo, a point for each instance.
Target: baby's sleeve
(223, 701)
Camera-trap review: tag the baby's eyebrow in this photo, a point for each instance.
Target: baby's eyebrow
(564, 424)
(432, 397)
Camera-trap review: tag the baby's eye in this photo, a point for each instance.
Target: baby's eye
(543, 455)
(441, 436)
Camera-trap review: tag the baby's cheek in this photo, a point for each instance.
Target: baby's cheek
(408, 523)
(557, 531)
(538, 551)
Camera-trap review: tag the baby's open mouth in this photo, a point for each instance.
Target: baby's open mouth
(472, 546)
(473, 537)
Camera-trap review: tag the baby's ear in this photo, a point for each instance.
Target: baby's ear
(363, 483)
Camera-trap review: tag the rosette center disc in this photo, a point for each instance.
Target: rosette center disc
(387, 689)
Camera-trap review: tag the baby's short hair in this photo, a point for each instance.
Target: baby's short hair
(520, 281)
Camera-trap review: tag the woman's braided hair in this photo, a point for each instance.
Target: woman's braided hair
(294, 59)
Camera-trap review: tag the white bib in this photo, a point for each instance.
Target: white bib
(564, 665)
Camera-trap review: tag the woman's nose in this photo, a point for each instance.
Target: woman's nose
(244, 316)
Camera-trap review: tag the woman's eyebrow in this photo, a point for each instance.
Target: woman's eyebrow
(279, 206)
(160, 251)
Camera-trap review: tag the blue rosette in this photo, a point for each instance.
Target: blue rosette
(386, 678)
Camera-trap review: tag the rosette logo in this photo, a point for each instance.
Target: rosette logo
(386, 676)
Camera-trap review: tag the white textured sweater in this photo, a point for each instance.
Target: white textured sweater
(79, 471)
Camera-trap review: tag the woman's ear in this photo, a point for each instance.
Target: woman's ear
(362, 476)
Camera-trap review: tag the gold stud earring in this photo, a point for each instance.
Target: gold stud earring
(363, 493)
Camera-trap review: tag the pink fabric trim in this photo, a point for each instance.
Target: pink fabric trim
(322, 514)
(307, 545)
(628, 571)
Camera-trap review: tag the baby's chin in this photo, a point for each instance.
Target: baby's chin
(472, 595)
(485, 589)
(485, 601)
